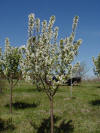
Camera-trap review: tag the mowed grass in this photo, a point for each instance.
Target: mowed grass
(79, 114)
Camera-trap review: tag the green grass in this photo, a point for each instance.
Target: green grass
(83, 109)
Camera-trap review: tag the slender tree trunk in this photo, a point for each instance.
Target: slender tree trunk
(71, 86)
(11, 97)
(51, 115)
(37, 86)
(71, 89)
(0, 90)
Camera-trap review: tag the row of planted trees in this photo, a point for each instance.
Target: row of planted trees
(42, 58)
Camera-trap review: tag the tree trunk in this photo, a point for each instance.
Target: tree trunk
(71, 89)
(71, 86)
(0, 90)
(51, 114)
(11, 97)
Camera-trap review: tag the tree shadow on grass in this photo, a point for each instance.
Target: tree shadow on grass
(95, 95)
(6, 125)
(97, 87)
(28, 90)
(64, 127)
(23, 105)
(95, 102)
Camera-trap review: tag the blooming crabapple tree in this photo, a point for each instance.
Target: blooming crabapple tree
(97, 65)
(45, 57)
(10, 62)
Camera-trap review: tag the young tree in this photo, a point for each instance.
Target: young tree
(96, 66)
(10, 60)
(44, 57)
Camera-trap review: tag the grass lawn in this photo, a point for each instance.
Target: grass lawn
(80, 114)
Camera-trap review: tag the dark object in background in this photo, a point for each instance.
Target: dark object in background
(74, 81)
(54, 78)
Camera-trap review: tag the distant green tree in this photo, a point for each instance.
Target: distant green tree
(96, 68)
